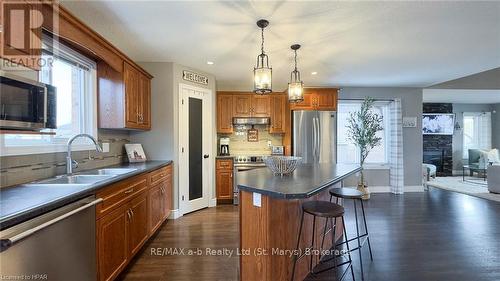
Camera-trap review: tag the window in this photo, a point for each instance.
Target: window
(74, 76)
(476, 131)
(348, 152)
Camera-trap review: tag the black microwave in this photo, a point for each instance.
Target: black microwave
(26, 104)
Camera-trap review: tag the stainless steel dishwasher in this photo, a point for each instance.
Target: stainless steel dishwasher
(59, 245)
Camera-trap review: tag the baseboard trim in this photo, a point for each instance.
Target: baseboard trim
(386, 189)
(175, 214)
(212, 202)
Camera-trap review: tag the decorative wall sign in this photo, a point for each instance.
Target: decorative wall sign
(253, 135)
(409, 122)
(194, 77)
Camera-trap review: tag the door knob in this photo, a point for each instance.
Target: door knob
(206, 156)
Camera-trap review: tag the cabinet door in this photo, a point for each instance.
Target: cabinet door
(112, 243)
(261, 106)
(144, 111)
(138, 231)
(242, 105)
(224, 114)
(131, 82)
(224, 182)
(278, 109)
(306, 104)
(326, 100)
(156, 206)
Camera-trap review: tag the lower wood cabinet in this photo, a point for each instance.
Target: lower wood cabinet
(224, 180)
(131, 212)
(112, 243)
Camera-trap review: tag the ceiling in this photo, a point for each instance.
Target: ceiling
(411, 44)
(461, 96)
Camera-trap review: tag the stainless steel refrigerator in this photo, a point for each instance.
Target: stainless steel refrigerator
(315, 136)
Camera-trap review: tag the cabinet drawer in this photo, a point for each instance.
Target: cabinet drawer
(161, 174)
(224, 164)
(118, 193)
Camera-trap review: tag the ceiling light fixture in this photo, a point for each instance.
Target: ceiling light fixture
(314, 73)
(296, 86)
(210, 62)
(262, 73)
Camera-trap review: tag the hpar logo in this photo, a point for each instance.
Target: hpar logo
(22, 25)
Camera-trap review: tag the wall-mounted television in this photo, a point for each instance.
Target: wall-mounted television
(438, 123)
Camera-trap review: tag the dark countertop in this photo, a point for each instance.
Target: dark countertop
(23, 202)
(224, 157)
(304, 182)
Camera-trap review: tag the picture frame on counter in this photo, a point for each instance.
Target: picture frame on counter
(135, 152)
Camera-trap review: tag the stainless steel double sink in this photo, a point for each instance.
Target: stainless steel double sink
(86, 178)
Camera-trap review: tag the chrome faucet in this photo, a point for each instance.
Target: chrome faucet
(69, 161)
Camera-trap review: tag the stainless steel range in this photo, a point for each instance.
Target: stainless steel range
(245, 163)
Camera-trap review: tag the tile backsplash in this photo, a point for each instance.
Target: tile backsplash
(238, 144)
(26, 168)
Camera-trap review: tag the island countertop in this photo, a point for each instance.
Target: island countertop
(304, 182)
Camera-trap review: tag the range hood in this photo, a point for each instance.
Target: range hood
(250, 121)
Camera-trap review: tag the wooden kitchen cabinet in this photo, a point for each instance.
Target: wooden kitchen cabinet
(112, 243)
(124, 98)
(224, 113)
(278, 111)
(251, 105)
(261, 105)
(224, 180)
(242, 105)
(138, 230)
(317, 99)
(131, 211)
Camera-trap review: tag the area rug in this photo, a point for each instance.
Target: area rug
(458, 185)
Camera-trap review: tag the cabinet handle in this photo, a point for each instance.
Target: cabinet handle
(231, 175)
(129, 215)
(161, 189)
(129, 190)
(132, 212)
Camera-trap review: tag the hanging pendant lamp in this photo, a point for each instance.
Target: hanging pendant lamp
(296, 86)
(262, 73)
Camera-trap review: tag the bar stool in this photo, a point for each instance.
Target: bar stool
(350, 193)
(327, 210)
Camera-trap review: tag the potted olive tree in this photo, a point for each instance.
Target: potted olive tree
(362, 128)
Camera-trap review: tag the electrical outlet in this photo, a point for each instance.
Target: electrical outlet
(105, 147)
(269, 143)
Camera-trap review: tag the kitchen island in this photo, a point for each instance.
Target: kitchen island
(270, 211)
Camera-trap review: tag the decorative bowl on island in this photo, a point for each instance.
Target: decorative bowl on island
(282, 165)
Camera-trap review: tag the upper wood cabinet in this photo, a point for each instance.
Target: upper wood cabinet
(250, 105)
(124, 98)
(317, 99)
(224, 113)
(278, 111)
(238, 104)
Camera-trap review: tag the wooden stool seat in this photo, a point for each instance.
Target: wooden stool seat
(346, 193)
(323, 209)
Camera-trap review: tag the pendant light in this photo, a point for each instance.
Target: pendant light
(296, 86)
(262, 73)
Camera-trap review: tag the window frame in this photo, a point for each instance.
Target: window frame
(384, 165)
(89, 109)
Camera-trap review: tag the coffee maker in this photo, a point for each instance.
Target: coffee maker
(224, 147)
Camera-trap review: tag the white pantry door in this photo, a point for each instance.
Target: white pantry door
(195, 145)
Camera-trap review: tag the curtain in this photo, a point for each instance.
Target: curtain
(396, 148)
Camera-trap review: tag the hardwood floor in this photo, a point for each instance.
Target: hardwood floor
(436, 235)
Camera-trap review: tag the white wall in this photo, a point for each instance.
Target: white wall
(162, 141)
(411, 103)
